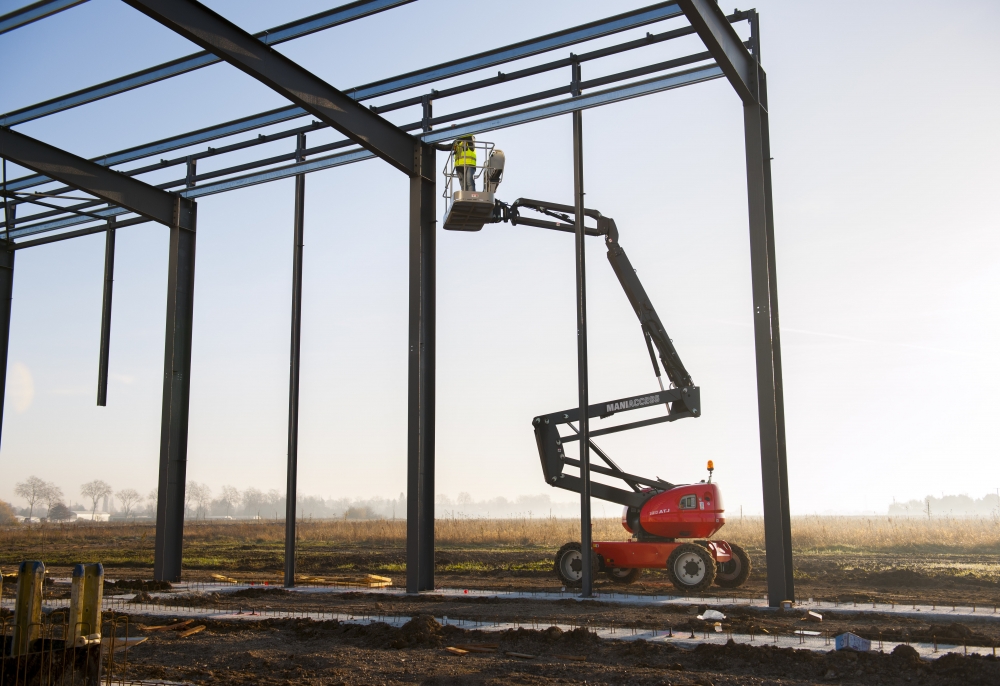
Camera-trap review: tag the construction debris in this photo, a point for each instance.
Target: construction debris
(456, 651)
(166, 627)
(523, 656)
(367, 580)
(849, 641)
(813, 617)
(225, 579)
(122, 643)
(192, 631)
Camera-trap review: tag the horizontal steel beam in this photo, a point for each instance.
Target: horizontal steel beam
(218, 35)
(587, 101)
(279, 34)
(92, 178)
(34, 12)
(722, 41)
(510, 53)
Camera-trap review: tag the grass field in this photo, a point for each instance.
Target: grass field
(258, 545)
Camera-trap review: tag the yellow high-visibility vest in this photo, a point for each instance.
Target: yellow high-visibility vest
(465, 153)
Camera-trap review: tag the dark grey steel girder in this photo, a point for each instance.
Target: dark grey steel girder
(6, 300)
(420, 386)
(722, 41)
(490, 58)
(34, 12)
(221, 37)
(107, 184)
(278, 34)
(750, 82)
(109, 282)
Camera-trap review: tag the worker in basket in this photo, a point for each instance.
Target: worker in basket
(464, 149)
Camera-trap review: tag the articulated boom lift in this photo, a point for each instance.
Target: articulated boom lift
(656, 512)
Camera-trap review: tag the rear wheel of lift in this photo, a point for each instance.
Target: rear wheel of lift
(623, 575)
(569, 564)
(690, 568)
(734, 573)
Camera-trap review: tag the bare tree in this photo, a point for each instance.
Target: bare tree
(32, 490)
(153, 498)
(128, 498)
(53, 495)
(95, 490)
(253, 499)
(230, 496)
(201, 494)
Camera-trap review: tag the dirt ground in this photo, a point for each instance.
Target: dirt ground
(282, 651)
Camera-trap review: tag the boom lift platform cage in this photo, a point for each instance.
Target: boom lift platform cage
(64, 196)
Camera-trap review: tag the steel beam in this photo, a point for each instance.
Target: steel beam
(92, 178)
(109, 279)
(506, 120)
(278, 34)
(491, 58)
(725, 45)
(291, 487)
(34, 12)
(221, 37)
(6, 302)
(770, 401)
(582, 374)
(420, 430)
(176, 402)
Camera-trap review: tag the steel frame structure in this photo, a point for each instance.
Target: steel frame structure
(119, 200)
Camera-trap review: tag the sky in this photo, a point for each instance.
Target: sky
(885, 146)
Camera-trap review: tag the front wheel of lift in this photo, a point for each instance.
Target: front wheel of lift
(690, 568)
(734, 573)
(569, 564)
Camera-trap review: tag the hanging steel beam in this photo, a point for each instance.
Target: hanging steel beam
(421, 375)
(279, 34)
(109, 280)
(220, 36)
(107, 184)
(722, 41)
(34, 12)
(6, 301)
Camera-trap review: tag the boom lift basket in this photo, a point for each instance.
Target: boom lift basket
(470, 208)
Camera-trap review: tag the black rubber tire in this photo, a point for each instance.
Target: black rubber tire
(566, 570)
(623, 575)
(690, 568)
(734, 573)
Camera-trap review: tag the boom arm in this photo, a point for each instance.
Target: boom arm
(681, 400)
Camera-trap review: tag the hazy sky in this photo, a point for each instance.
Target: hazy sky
(885, 142)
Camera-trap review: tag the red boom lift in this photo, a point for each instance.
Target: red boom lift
(671, 524)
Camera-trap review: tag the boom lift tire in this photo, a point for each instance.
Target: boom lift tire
(734, 573)
(690, 568)
(623, 575)
(569, 564)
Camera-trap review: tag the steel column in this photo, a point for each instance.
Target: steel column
(770, 401)
(109, 278)
(176, 398)
(581, 350)
(291, 488)
(6, 301)
(420, 431)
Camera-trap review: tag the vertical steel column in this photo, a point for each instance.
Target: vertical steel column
(176, 398)
(420, 433)
(6, 301)
(109, 278)
(767, 341)
(291, 487)
(581, 347)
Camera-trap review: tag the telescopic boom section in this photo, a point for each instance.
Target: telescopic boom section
(652, 328)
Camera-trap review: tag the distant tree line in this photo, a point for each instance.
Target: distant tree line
(948, 506)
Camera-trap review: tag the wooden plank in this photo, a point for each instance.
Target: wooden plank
(192, 631)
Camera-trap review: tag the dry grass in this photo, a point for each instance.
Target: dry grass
(810, 534)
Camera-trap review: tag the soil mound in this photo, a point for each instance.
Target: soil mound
(136, 585)
(259, 593)
(421, 631)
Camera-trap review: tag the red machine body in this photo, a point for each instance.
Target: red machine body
(690, 511)
(634, 554)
